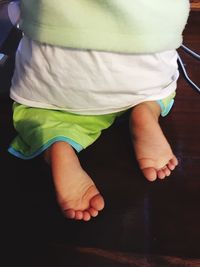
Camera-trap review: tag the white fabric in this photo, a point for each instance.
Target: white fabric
(90, 82)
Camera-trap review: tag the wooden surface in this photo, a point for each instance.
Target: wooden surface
(143, 224)
(5, 25)
(195, 5)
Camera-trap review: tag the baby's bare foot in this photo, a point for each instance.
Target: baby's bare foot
(77, 194)
(152, 150)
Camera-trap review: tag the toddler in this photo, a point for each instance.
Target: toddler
(79, 66)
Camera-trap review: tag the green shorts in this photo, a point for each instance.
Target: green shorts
(39, 128)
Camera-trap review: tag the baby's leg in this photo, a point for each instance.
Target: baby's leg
(152, 149)
(77, 194)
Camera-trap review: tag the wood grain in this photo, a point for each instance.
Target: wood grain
(195, 5)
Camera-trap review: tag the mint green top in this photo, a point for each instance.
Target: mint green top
(128, 26)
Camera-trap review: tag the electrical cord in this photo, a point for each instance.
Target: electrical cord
(189, 51)
(181, 64)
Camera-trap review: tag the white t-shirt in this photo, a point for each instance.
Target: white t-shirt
(90, 82)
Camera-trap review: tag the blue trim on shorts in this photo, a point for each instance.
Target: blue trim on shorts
(165, 110)
(18, 154)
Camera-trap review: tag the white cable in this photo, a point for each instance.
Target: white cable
(186, 75)
(3, 59)
(14, 13)
(189, 51)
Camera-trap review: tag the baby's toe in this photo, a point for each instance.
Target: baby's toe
(78, 215)
(172, 164)
(70, 213)
(93, 212)
(97, 202)
(150, 173)
(167, 171)
(86, 216)
(161, 174)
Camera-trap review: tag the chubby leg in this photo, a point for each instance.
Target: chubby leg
(153, 152)
(77, 194)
